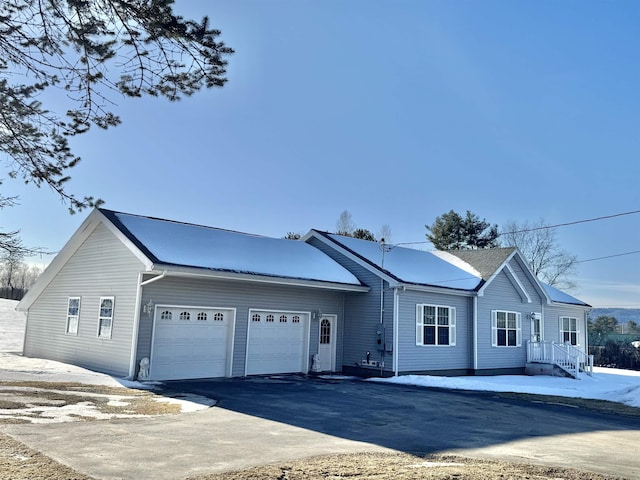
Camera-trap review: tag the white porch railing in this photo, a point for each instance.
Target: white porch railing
(569, 358)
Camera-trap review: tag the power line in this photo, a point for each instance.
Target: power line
(608, 256)
(571, 223)
(546, 227)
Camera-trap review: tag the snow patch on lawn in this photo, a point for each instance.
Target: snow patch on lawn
(16, 368)
(622, 386)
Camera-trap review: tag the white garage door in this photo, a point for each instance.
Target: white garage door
(278, 342)
(191, 342)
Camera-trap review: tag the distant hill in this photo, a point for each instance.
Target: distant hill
(623, 315)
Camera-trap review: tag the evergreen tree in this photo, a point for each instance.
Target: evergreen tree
(450, 231)
(363, 234)
(90, 50)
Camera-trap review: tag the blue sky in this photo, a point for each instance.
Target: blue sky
(397, 111)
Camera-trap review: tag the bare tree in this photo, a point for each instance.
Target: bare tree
(345, 225)
(546, 259)
(385, 233)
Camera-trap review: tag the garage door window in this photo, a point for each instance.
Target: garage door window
(218, 317)
(202, 316)
(283, 319)
(185, 316)
(295, 319)
(270, 318)
(255, 317)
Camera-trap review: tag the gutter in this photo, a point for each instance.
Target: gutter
(475, 333)
(396, 334)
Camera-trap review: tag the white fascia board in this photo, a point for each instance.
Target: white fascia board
(83, 232)
(441, 290)
(127, 243)
(390, 280)
(525, 266)
(516, 283)
(85, 229)
(495, 274)
(251, 277)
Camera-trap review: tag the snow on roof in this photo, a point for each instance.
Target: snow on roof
(182, 244)
(409, 265)
(560, 297)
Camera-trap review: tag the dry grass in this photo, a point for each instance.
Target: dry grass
(403, 467)
(17, 462)
(30, 395)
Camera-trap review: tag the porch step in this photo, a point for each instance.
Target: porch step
(534, 368)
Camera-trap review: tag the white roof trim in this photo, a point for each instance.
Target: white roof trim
(313, 233)
(83, 232)
(128, 243)
(171, 271)
(435, 289)
(513, 277)
(516, 283)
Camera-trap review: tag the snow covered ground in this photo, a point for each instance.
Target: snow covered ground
(621, 386)
(15, 367)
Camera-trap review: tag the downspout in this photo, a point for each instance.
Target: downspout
(136, 321)
(26, 327)
(475, 333)
(396, 321)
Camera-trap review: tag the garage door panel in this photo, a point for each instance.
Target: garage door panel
(277, 346)
(191, 342)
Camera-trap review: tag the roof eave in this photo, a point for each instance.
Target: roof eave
(187, 271)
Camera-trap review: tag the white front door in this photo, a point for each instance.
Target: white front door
(536, 327)
(327, 344)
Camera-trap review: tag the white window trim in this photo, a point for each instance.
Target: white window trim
(100, 317)
(420, 325)
(561, 330)
(494, 329)
(69, 317)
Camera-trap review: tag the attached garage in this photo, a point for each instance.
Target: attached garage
(278, 342)
(191, 342)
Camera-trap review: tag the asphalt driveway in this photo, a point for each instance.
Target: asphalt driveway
(267, 420)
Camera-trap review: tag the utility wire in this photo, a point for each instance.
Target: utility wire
(608, 256)
(546, 227)
(571, 223)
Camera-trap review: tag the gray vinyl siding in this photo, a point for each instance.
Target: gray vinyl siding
(101, 267)
(552, 314)
(501, 294)
(424, 358)
(362, 313)
(242, 296)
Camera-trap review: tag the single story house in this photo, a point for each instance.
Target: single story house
(190, 301)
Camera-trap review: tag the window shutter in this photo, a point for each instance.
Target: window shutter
(452, 326)
(494, 329)
(419, 330)
(518, 329)
(578, 332)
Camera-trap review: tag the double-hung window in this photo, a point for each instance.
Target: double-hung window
(73, 315)
(435, 325)
(506, 329)
(569, 332)
(105, 319)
